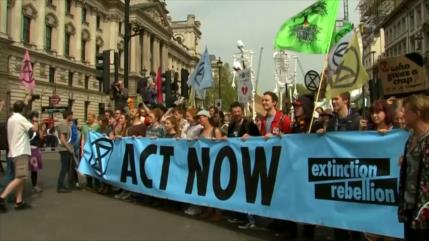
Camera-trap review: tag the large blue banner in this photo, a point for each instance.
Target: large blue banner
(345, 180)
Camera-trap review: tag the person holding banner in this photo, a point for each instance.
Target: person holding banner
(343, 120)
(172, 127)
(381, 114)
(183, 123)
(303, 108)
(155, 129)
(414, 175)
(194, 129)
(274, 122)
(303, 112)
(192, 133)
(209, 131)
(244, 128)
(381, 120)
(90, 125)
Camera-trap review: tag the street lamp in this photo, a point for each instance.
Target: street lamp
(127, 34)
(219, 67)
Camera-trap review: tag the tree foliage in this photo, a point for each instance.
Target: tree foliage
(228, 94)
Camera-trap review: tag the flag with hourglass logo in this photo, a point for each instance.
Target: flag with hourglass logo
(26, 74)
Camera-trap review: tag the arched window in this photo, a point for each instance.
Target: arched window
(98, 45)
(51, 23)
(69, 32)
(84, 44)
(29, 13)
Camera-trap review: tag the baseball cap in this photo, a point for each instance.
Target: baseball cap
(203, 113)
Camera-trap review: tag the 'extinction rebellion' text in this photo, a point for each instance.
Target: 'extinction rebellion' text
(362, 180)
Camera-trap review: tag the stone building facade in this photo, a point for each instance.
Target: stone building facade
(393, 28)
(64, 36)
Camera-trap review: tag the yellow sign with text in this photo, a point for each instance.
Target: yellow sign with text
(403, 74)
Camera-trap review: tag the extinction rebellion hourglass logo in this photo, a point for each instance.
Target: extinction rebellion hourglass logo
(360, 180)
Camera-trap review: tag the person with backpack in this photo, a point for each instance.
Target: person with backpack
(66, 150)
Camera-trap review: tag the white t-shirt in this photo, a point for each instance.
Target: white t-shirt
(17, 135)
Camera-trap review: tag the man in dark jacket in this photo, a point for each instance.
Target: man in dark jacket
(343, 120)
(239, 125)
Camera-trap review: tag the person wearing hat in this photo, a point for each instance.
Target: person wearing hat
(324, 118)
(209, 131)
(303, 111)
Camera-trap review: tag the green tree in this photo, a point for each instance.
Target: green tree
(228, 94)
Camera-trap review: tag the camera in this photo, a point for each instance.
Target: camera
(35, 97)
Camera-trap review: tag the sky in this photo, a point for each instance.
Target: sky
(256, 23)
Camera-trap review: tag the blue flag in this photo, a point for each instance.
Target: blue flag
(201, 78)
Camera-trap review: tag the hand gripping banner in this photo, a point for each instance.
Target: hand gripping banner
(345, 180)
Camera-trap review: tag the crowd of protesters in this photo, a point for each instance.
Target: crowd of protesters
(411, 113)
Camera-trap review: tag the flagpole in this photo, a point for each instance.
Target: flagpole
(318, 92)
(255, 88)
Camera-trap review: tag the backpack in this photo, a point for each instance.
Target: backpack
(74, 134)
(3, 136)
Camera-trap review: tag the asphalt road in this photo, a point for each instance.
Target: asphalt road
(87, 216)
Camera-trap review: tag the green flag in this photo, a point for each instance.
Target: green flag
(311, 30)
(340, 33)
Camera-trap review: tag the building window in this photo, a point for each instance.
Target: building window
(418, 15)
(97, 51)
(86, 110)
(48, 38)
(26, 29)
(83, 49)
(120, 27)
(98, 21)
(70, 104)
(399, 28)
(83, 15)
(68, 6)
(100, 86)
(101, 108)
(49, 2)
(51, 74)
(412, 21)
(120, 57)
(70, 78)
(86, 81)
(67, 44)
